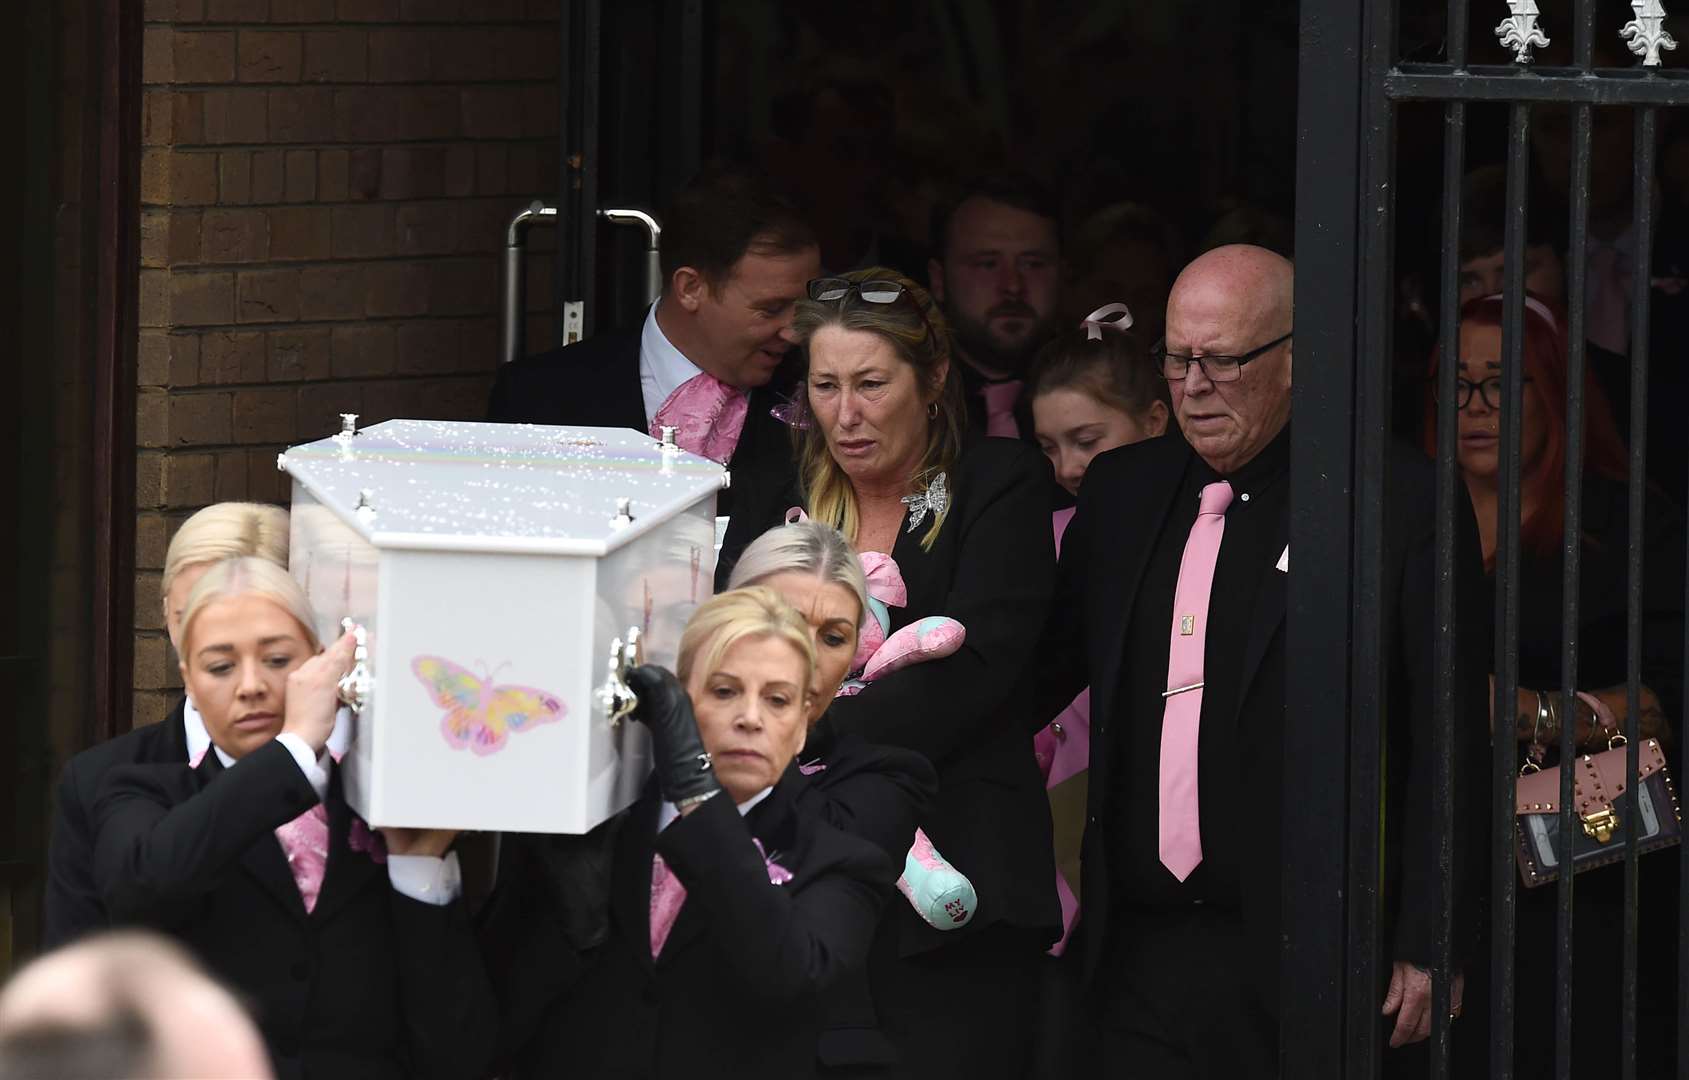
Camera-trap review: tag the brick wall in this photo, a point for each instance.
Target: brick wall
(324, 190)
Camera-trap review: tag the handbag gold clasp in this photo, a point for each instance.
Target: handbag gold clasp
(1599, 824)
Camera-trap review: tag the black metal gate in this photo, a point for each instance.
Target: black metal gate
(1354, 82)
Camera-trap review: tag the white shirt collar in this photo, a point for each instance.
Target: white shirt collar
(667, 813)
(662, 367)
(199, 739)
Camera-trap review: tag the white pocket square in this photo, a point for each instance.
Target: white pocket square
(1283, 564)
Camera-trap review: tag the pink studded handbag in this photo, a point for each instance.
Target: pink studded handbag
(1598, 785)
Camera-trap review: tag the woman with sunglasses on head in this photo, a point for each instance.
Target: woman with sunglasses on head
(354, 949)
(883, 457)
(1600, 706)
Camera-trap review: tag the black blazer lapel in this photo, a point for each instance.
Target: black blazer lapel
(348, 871)
(630, 877)
(264, 860)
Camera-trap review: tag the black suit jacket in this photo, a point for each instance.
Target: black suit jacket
(74, 906)
(595, 383)
(992, 568)
(1124, 503)
(736, 991)
(369, 984)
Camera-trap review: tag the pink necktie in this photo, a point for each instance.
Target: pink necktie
(305, 840)
(1000, 398)
(707, 416)
(667, 894)
(1181, 824)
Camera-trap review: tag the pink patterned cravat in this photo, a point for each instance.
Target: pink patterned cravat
(1181, 824)
(667, 894)
(1000, 398)
(707, 416)
(305, 840)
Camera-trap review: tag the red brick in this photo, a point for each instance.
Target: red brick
(400, 56)
(430, 10)
(303, 114)
(331, 292)
(155, 239)
(158, 118)
(333, 179)
(428, 348)
(301, 11)
(202, 299)
(235, 116)
(187, 118)
(336, 56)
(184, 237)
(151, 541)
(395, 289)
(204, 56)
(490, 169)
(158, 60)
(269, 177)
(234, 177)
(367, 10)
(267, 56)
(299, 233)
(481, 225)
(298, 354)
(184, 359)
(362, 231)
(460, 170)
(300, 170)
(364, 173)
(189, 480)
(193, 179)
(231, 475)
(151, 658)
(155, 177)
(152, 417)
(236, 11)
(265, 482)
(462, 286)
(267, 296)
(427, 228)
(264, 415)
(149, 492)
(152, 359)
(320, 407)
(492, 112)
(190, 11)
(154, 298)
(413, 172)
(362, 351)
(158, 11)
(235, 236)
(470, 54)
(523, 175)
(232, 357)
(199, 419)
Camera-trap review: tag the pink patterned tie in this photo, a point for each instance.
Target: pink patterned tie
(305, 840)
(667, 894)
(1000, 398)
(707, 416)
(1181, 825)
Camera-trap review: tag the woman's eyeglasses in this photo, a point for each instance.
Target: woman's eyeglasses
(828, 289)
(1489, 391)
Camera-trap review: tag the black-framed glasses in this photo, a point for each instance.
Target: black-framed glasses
(1217, 368)
(1489, 391)
(828, 289)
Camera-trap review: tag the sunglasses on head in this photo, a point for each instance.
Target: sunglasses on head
(827, 289)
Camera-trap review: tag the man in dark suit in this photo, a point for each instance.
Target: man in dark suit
(736, 257)
(1171, 606)
(996, 270)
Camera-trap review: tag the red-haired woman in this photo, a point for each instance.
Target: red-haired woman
(1601, 667)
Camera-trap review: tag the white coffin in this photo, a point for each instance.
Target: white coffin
(491, 571)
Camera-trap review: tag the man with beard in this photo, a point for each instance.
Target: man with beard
(996, 269)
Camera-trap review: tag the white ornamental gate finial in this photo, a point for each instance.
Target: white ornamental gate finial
(1519, 31)
(1646, 34)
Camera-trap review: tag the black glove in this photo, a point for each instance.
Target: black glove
(682, 767)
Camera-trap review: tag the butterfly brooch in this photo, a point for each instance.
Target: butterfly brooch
(935, 498)
(479, 715)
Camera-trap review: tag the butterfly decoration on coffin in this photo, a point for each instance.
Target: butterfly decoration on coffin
(480, 715)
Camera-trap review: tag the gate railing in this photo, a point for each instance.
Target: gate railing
(1351, 88)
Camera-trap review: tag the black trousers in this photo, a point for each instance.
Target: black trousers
(1176, 1001)
(967, 1011)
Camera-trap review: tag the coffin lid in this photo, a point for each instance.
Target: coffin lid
(505, 488)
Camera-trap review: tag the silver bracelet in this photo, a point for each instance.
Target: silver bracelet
(693, 800)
